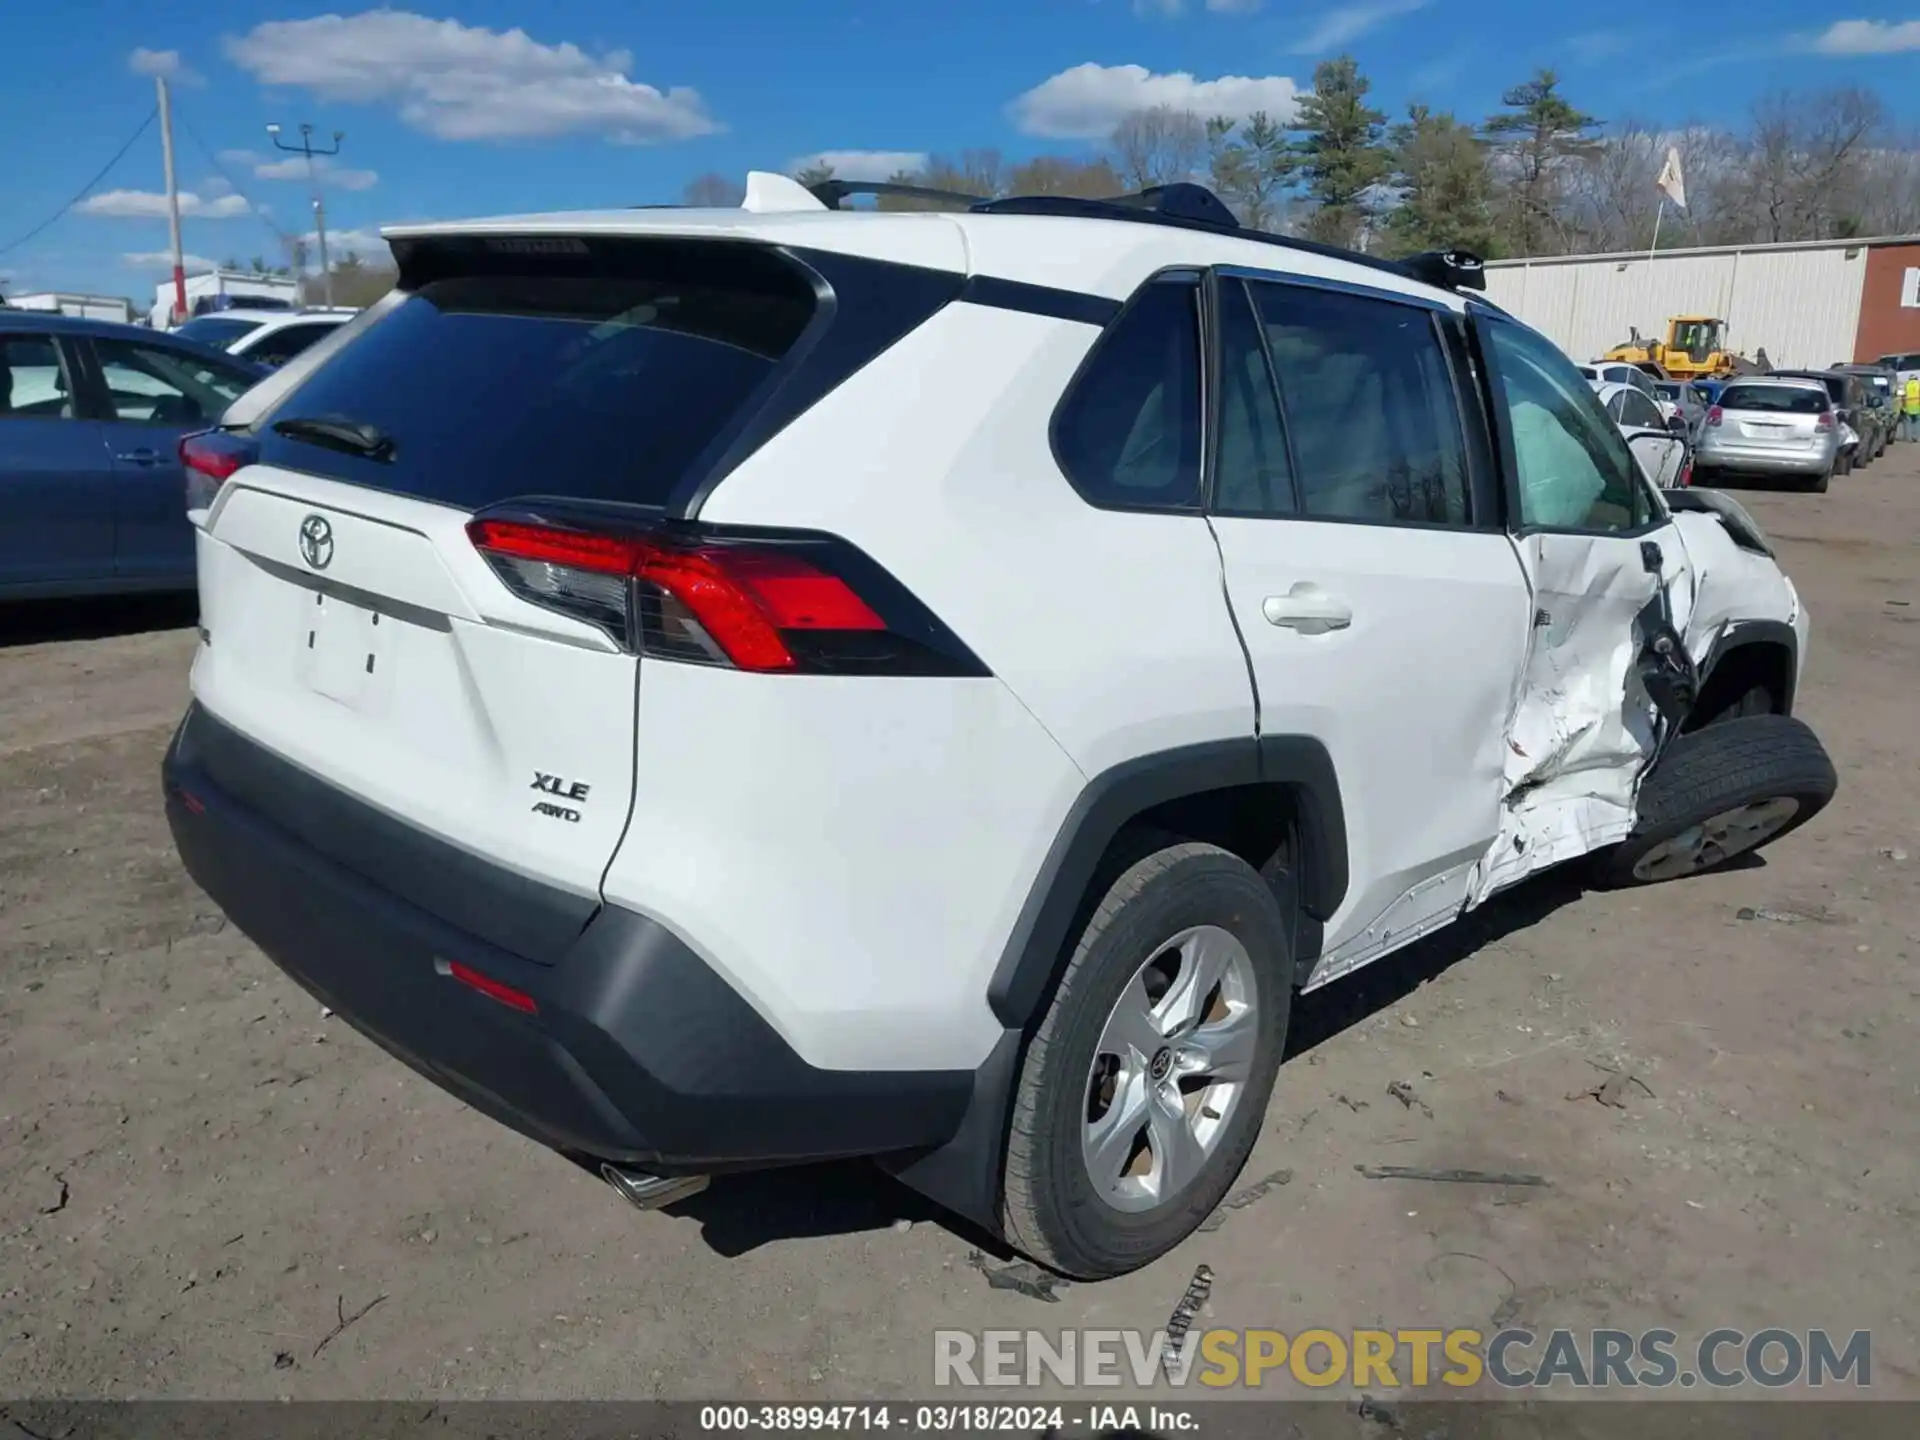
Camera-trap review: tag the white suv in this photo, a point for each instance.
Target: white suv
(724, 688)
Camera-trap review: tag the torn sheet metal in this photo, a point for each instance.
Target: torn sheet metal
(1733, 583)
(1582, 726)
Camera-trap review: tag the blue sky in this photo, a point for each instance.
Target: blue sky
(511, 106)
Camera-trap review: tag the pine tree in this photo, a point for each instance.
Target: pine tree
(1446, 190)
(1338, 152)
(1537, 137)
(1249, 163)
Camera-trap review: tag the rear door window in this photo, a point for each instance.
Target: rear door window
(33, 381)
(601, 383)
(161, 385)
(288, 341)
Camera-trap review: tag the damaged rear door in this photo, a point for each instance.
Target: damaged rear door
(1601, 556)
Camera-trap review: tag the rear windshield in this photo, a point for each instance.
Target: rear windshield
(217, 330)
(592, 386)
(1781, 399)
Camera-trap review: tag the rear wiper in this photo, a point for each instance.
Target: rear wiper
(338, 433)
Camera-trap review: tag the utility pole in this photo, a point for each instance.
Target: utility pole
(306, 148)
(173, 202)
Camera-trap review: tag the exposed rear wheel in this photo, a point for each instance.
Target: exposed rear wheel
(1718, 793)
(1143, 1089)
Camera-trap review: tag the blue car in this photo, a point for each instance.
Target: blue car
(92, 495)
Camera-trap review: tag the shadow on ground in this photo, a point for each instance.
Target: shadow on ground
(52, 622)
(740, 1213)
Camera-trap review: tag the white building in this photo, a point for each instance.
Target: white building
(214, 288)
(60, 302)
(1807, 304)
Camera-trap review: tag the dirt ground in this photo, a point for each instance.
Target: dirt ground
(201, 1175)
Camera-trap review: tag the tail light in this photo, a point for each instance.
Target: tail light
(773, 602)
(1825, 422)
(1686, 476)
(1714, 416)
(209, 457)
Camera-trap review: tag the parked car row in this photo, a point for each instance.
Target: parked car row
(1800, 425)
(91, 417)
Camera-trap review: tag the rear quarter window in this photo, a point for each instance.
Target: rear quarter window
(1128, 433)
(592, 386)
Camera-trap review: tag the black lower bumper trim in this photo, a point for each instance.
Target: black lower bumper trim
(639, 1052)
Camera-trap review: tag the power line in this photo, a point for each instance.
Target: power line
(221, 171)
(86, 189)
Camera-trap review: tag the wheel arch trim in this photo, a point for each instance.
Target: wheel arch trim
(1744, 634)
(1036, 947)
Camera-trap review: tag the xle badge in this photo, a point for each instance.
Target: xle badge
(574, 790)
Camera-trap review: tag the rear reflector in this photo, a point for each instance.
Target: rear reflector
(209, 458)
(763, 602)
(493, 989)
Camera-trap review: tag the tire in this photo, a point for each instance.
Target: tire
(1055, 1210)
(1816, 484)
(1750, 765)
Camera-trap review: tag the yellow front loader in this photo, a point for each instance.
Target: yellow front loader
(1695, 349)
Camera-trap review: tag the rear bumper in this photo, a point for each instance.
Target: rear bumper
(1764, 460)
(639, 1052)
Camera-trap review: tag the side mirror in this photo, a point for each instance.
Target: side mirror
(1678, 424)
(1661, 463)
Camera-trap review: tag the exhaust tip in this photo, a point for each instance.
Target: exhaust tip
(651, 1192)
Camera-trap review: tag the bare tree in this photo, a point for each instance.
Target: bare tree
(974, 172)
(1159, 146)
(1064, 175)
(712, 191)
(1803, 164)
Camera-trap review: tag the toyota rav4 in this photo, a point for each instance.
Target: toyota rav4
(720, 689)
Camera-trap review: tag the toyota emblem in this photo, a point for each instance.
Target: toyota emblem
(316, 541)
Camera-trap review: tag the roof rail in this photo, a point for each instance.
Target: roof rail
(1182, 204)
(1177, 204)
(1195, 207)
(831, 192)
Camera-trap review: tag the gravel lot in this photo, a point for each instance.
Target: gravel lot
(201, 1174)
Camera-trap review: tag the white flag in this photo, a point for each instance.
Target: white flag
(1671, 183)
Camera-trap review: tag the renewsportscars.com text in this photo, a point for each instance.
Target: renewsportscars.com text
(1512, 1359)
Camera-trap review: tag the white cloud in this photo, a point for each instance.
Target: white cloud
(1594, 45)
(294, 167)
(366, 243)
(1171, 8)
(142, 259)
(1348, 23)
(1868, 37)
(143, 61)
(1087, 101)
(861, 164)
(152, 205)
(462, 82)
